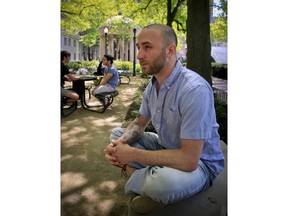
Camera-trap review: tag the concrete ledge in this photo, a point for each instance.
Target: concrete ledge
(212, 202)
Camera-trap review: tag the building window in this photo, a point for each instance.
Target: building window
(69, 42)
(65, 41)
(74, 43)
(74, 56)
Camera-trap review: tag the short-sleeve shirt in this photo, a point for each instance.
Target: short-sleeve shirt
(64, 71)
(113, 81)
(184, 109)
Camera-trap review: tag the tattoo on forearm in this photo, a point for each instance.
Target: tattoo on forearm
(132, 133)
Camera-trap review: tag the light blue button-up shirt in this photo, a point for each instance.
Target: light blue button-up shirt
(184, 109)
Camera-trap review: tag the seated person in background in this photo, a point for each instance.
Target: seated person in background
(109, 80)
(66, 75)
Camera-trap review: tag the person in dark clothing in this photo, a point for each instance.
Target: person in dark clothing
(66, 75)
(100, 69)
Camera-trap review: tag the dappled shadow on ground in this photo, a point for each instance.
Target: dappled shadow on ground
(89, 185)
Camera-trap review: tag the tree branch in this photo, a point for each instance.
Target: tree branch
(80, 12)
(179, 24)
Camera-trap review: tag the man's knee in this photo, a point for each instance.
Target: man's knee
(161, 184)
(116, 133)
(94, 92)
(73, 96)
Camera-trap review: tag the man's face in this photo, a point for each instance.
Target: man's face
(151, 53)
(105, 61)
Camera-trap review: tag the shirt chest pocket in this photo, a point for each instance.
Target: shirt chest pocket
(172, 119)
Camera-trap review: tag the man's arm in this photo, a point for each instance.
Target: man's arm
(131, 134)
(186, 158)
(135, 130)
(73, 77)
(67, 78)
(106, 78)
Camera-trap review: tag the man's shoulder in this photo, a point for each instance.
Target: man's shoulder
(64, 69)
(192, 77)
(113, 69)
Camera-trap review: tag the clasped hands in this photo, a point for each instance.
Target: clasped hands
(117, 153)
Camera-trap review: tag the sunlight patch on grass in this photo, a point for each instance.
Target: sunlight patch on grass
(105, 206)
(72, 180)
(109, 121)
(66, 157)
(108, 186)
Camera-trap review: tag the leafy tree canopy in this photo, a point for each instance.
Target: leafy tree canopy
(85, 16)
(219, 30)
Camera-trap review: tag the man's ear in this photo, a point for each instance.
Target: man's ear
(171, 50)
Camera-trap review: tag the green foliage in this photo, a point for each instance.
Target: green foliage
(219, 70)
(123, 65)
(81, 15)
(218, 30)
(142, 86)
(85, 16)
(126, 65)
(145, 12)
(224, 7)
(138, 68)
(121, 26)
(75, 65)
(90, 65)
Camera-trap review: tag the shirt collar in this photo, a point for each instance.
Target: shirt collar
(170, 80)
(172, 77)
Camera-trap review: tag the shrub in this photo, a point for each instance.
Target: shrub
(90, 65)
(219, 70)
(117, 64)
(125, 65)
(138, 68)
(75, 65)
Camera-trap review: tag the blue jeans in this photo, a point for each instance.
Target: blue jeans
(163, 184)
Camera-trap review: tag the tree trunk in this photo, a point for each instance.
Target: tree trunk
(198, 38)
(169, 14)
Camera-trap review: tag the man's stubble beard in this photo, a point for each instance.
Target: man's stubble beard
(157, 64)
